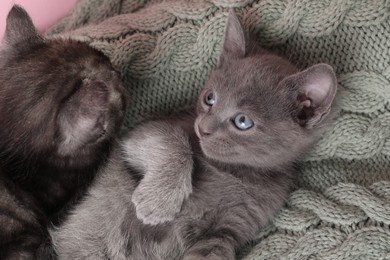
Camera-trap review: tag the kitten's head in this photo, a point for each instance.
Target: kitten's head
(259, 110)
(60, 100)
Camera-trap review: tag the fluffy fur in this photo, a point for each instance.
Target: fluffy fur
(199, 187)
(61, 104)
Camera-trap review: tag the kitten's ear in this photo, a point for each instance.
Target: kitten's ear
(316, 89)
(20, 28)
(235, 39)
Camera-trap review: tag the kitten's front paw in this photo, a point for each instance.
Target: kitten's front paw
(156, 204)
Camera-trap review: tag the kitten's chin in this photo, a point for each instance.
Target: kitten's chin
(210, 152)
(236, 158)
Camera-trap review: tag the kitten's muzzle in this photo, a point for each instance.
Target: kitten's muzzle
(204, 126)
(203, 132)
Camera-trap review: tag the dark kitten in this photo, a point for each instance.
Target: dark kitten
(211, 182)
(61, 104)
(22, 223)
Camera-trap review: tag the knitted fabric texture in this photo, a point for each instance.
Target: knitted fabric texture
(166, 49)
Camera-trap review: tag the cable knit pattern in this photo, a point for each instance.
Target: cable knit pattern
(166, 49)
(348, 221)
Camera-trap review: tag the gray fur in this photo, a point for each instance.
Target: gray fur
(157, 198)
(239, 179)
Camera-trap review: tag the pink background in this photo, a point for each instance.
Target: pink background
(44, 13)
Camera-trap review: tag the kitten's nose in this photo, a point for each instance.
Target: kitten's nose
(203, 132)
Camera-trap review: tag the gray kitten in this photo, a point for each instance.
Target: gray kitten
(200, 187)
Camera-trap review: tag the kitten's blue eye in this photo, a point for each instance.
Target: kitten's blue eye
(209, 98)
(243, 122)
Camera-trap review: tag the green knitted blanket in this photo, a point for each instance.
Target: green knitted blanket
(165, 50)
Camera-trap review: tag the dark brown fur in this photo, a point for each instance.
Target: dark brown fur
(61, 104)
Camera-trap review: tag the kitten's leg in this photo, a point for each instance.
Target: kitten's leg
(162, 152)
(217, 234)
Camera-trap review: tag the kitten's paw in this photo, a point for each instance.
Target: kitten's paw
(156, 205)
